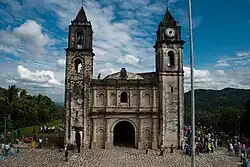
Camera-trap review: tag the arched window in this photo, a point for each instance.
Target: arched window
(79, 39)
(78, 65)
(171, 58)
(124, 97)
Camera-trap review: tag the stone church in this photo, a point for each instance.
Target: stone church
(124, 109)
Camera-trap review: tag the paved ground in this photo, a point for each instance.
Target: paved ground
(118, 157)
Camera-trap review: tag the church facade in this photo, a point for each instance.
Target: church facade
(124, 109)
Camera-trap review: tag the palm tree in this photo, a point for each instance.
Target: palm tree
(17, 104)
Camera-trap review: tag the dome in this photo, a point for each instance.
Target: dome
(123, 74)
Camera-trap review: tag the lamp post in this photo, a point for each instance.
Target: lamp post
(192, 79)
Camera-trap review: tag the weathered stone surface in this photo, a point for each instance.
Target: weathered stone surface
(151, 102)
(117, 157)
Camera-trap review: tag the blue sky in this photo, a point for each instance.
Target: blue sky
(34, 34)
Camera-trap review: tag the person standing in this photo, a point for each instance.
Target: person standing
(78, 147)
(212, 147)
(172, 148)
(161, 149)
(146, 148)
(66, 154)
(40, 142)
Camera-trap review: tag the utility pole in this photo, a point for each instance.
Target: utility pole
(192, 79)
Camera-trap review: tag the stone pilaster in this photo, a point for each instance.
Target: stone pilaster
(140, 133)
(154, 97)
(140, 98)
(154, 133)
(93, 143)
(108, 142)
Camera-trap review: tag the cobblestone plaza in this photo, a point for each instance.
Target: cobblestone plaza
(117, 157)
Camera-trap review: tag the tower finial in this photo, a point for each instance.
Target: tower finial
(82, 2)
(167, 5)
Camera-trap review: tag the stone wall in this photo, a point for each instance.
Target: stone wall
(172, 98)
(78, 99)
(145, 130)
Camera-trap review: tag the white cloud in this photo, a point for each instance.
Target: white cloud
(128, 59)
(43, 77)
(243, 54)
(121, 35)
(222, 63)
(213, 79)
(220, 72)
(32, 31)
(28, 41)
(11, 81)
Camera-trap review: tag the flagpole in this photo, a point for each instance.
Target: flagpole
(192, 80)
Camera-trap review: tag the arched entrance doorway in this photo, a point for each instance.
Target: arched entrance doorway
(124, 134)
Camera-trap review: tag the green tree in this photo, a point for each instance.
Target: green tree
(245, 119)
(23, 109)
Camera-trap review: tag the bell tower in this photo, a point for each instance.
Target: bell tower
(79, 71)
(169, 67)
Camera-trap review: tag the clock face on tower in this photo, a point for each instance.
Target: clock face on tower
(170, 32)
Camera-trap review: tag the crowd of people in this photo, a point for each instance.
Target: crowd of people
(239, 146)
(206, 140)
(47, 129)
(6, 147)
(8, 140)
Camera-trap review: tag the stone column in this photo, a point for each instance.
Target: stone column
(154, 97)
(140, 133)
(130, 97)
(154, 132)
(117, 97)
(108, 131)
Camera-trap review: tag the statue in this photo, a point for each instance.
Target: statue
(123, 74)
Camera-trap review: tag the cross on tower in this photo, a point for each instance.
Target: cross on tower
(167, 5)
(82, 2)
